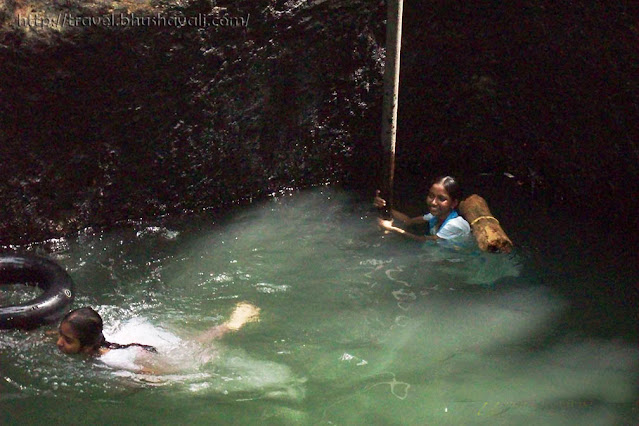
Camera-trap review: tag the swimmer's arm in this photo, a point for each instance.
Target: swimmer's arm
(387, 225)
(380, 202)
(242, 314)
(155, 369)
(213, 333)
(148, 370)
(153, 365)
(418, 220)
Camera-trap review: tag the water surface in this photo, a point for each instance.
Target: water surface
(357, 327)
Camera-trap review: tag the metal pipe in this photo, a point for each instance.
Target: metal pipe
(391, 94)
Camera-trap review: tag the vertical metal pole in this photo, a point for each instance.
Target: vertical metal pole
(391, 92)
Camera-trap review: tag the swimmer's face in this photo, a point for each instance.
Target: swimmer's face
(439, 202)
(67, 340)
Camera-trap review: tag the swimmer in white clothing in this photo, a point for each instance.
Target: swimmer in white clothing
(80, 332)
(444, 221)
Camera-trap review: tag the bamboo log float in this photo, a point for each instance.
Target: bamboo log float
(486, 229)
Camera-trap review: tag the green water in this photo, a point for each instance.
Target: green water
(357, 328)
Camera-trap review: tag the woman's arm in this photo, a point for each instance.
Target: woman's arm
(380, 202)
(417, 220)
(388, 225)
(396, 214)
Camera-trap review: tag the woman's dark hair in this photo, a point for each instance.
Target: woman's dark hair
(451, 186)
(87, 326)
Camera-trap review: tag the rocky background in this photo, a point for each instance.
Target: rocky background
(102, 123)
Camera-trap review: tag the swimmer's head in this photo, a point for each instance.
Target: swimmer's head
(80, 331)
(451, 186)
(443, 197)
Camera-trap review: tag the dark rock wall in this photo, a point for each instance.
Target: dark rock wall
(103, 123)
(100, 124)
(544, 90)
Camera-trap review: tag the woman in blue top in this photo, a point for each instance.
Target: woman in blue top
(443, 219)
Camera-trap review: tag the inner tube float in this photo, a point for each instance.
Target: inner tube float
(44, 273)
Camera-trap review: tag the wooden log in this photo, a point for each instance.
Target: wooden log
(486, 229)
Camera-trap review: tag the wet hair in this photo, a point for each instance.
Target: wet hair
(451, 186)
(87, 326)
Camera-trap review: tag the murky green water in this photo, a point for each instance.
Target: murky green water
(357, 328)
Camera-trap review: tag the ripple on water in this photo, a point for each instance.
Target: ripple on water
(271, 288)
